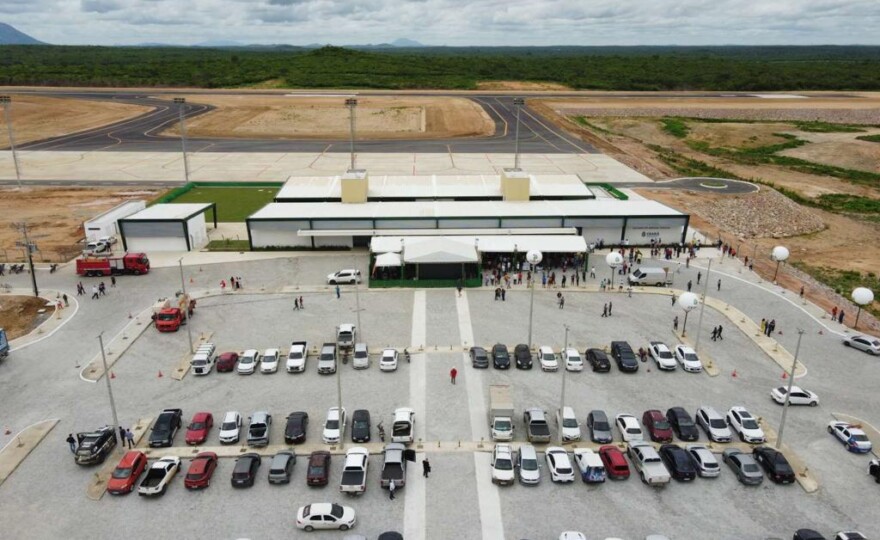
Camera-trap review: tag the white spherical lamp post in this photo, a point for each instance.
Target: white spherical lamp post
(613, 260)
(688, 302)
(534, 257)
(779, 254)
(862, 296)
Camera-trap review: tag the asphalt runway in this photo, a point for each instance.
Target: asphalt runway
(141, 134)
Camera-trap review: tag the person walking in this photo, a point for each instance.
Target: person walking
(714, 334)
(295, 303)
(222, 284)
(64, 297)
(452, 374)
(609, 308)
(689, 286)
(673, 299)
(675, 323)
(605, 310)
(301, 305)
(564, 279)
(699, 276)
(72, 443)
(719, 284)
(80, 290)
(102, 289)
(802, 291)
(562, 303)
(426, 467)
(391, 488)
(834, 313)
(720, 328)
(121, 436)
(593, 272)
(337, 292)
(504, 295)
(771, 327)
(840, 317)
(458, 287)
(94, 292)
(129, 437)
(112, 281)
(763, 325)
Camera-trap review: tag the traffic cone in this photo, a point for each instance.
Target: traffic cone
(160, 374)
(821, 333)
(734, 374)
(112, 375)
(129, 315)
(784, 375)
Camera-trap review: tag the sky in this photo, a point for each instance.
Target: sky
(448, 22)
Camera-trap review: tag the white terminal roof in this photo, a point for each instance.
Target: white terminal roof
(554, 243)
(432, 187)
(463, 209)
(170, 212)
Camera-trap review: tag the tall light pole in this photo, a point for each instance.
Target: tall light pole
(110, 391)
(534, 257)
(779, 254)
(702, 307)
(790, 384)
(862, 296)
(6, 101)
(613, 259)
(181, 106)
(186, 307)
(351, 103)
(564, 371)
(688, 301)
(357, 299)
(339, 403)
(517, 103)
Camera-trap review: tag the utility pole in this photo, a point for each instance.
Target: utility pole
(6, 101)
(357, 300)
(518, 103)
(351, 103)
(534, 257)
(181, 106)
(29, 247)
(110, 392)
(339, 404)
(790, 384)
(702, 307)
(564, 371)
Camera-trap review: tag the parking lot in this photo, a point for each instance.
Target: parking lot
(458, 500)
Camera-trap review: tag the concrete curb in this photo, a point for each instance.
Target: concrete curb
(12, 455)
(98, 486)
(117, 346)
(50, 325)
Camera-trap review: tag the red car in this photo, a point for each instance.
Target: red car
(126, 474)
(657, 425)
(201, 469)
(615, 463)
(227, 361)
(197, 431)
(319, 468)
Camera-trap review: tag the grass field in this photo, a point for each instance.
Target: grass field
(233, 203)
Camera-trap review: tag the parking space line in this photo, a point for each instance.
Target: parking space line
(414, 502)
(492, 528)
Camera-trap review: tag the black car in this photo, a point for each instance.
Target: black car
(479, 357)
(360, 426)
(94, 447)
(500, 356)
(166, 426)
(295, 431)
(390, 535)
(807, 534)
(679, 462)
(682, 424)
(598, 360)
(774, 464)
(874, 470)
(523, 356)
(245, 471)
(625, 357)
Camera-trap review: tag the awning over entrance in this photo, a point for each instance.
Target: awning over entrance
(566, 243)
(388, 259)
(439, 250)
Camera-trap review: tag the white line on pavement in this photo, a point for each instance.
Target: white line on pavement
(487, 494)
(414, 502)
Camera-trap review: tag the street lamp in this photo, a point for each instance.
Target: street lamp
(688, 301)
(6, 101)
(186, 307)
(790, 384)
(181, 106)
(564, 370)
(110, 391)
(351, 103)
(613, 259)
(779, 254)
(357, 299)
(862, 296)
(703, 307)
(518, 103)
(534, 257)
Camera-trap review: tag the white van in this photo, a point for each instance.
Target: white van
(650, 276)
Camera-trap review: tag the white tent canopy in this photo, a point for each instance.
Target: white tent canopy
(388, 259)
(557, 243)
(440, 250)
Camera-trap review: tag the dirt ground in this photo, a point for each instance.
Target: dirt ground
(379, 117)
(56, 216)
(18, 314)
(814, 102)
(36, 117)
(521, 85)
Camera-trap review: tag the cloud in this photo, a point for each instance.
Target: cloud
(101, 6)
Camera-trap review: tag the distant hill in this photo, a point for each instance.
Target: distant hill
(404, 42)
(11, 36)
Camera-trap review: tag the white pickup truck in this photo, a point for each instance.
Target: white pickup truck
(354, 474)
(296, 358)
(647, 461)
(159, 475)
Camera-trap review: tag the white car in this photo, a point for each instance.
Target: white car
(247, 362)
(344, 276)
(868, 344)
(705, 461)
(230, 428)
(325, 516)
(568, 425)
(109, 240)
(688, 359)
(559, 463)
(548, 359)
(296, 358)
(573, 360)
(572, 535)
(502, 465)
(334, 426)
(388, 362)
(361, 357)
(269, 362)
(745, 425)
(158, 476)
(798, 396)
(527, 465)
(662, 356)
(713, 424)
(852, 437)
(629, 428)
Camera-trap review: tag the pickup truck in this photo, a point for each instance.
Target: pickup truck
(500, 412)
(354, 474)
(166, 426)
(296, 358)
(647, 461)
(404, 427)
(258, 431)
(394, 466)
(159, 475)
(327, 359)
(590, 465)
(345, 335)
(537, 428)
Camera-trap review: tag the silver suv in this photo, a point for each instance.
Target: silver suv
(713, 424)
(361, 358)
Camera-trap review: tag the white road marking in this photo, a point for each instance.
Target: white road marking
(414, 501)
(491, 524)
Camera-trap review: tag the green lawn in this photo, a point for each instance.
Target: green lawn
(233, 203)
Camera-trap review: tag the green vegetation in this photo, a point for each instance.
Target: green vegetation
(602, 68)
(582, 120)
(827, 127)
(675, 126)
(234, 204)
(869, 138)
(613, 191)
(843, 281)
(228, 244)
(686, 166)
(849, 204)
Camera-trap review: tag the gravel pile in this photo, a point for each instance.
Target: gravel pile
(765, 214)
(836, 116)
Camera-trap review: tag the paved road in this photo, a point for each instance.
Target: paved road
(141, 134)
(721, 186)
